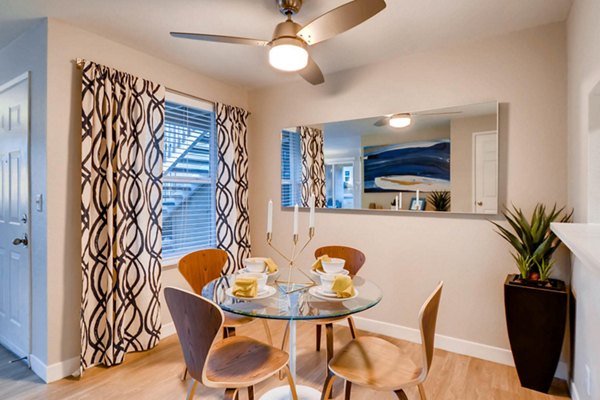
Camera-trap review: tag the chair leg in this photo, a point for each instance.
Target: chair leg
(192, 389)
(319, 326)
(184, 374)
(291, 382)
(352, 327)
(250, 392)
(348, 390)
(230, 394)
(267, 331)
(326, 393)
(401, 395)
(422, 391)
(329, 337)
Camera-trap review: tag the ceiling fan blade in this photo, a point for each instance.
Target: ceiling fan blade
(220, 38)
(312, 73)
(340, 20)
(382, 122)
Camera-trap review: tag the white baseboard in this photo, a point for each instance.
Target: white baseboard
(60, 370)
(167, 330)
(448, 343)
(573, 390)
(54, 372)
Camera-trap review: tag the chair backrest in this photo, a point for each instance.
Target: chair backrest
(202, 266)
(354, 258)
(197, 322)
(427, 321)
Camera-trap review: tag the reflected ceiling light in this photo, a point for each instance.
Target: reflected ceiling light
(400, 120)
(288, 54)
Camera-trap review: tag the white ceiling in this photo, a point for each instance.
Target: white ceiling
(404, 27)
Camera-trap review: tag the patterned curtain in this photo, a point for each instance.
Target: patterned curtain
(233, 222)
(313, 165)
(121, 213)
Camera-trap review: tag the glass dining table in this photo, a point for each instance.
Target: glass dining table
(293, 302)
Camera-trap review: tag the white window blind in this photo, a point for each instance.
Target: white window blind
(189, 167)
(291, 169)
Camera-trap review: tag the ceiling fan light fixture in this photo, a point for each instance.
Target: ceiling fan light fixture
(400, 120)
(288, 54)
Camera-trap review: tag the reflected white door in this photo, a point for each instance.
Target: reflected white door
(14, 216)
(485, 172)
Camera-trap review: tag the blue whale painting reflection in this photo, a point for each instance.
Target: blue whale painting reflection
(407, 166)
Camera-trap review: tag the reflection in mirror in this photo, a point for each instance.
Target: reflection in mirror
(438, 160)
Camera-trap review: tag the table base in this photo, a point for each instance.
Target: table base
(284, 393)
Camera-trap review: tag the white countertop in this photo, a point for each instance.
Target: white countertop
(582, 239)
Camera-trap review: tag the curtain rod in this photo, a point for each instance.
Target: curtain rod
(80, 62)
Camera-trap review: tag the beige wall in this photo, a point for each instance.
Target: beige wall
(385, 199)
(406, 254)
(461, 156)
(65, 44)
(28, 53)
(584, 181)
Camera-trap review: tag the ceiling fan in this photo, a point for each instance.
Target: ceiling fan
(290, 42)
(402, 120)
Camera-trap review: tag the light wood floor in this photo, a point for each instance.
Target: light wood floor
(155, 375)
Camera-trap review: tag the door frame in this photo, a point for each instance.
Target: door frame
(473, 167)
(4, 86)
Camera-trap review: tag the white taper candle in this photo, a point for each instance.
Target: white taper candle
(296, 219)
(311, 218)
(270, 217)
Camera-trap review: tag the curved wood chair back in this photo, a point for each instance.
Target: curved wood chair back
(427, 321)
(202, 266)
(197, 322)
(354, 258)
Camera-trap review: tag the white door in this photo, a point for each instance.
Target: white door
(14, 216)
(485, 172)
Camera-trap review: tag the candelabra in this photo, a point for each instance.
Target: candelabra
(291, 260)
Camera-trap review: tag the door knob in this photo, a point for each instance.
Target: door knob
(480, 203)
(22, 241)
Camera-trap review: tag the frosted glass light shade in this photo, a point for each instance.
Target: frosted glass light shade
(288, 57)
(400, 121)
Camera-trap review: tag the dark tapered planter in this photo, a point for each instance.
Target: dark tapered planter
(536, 320)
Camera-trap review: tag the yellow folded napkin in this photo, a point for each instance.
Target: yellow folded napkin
(245, 287)
(317, 266)
(271, 266)
(343, 286)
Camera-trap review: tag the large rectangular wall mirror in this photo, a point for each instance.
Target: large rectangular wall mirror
(443, 160)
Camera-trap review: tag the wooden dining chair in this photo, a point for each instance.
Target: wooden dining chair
(202, 266)
(355, 259)
(380, 365)
(232, 363)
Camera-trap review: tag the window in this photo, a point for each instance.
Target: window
(291, 169)
(189, 169)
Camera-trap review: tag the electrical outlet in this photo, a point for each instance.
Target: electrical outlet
(588, 380)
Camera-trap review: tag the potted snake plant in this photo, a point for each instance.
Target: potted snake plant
(440, 200)
(535, 304)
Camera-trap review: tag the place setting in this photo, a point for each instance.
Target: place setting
(336, 284)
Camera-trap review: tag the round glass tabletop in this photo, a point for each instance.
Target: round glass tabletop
(300, 300)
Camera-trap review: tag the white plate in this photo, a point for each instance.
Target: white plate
(317, 272)
(316, 292)
(245, 271)
(263, 294)
(325, 292)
